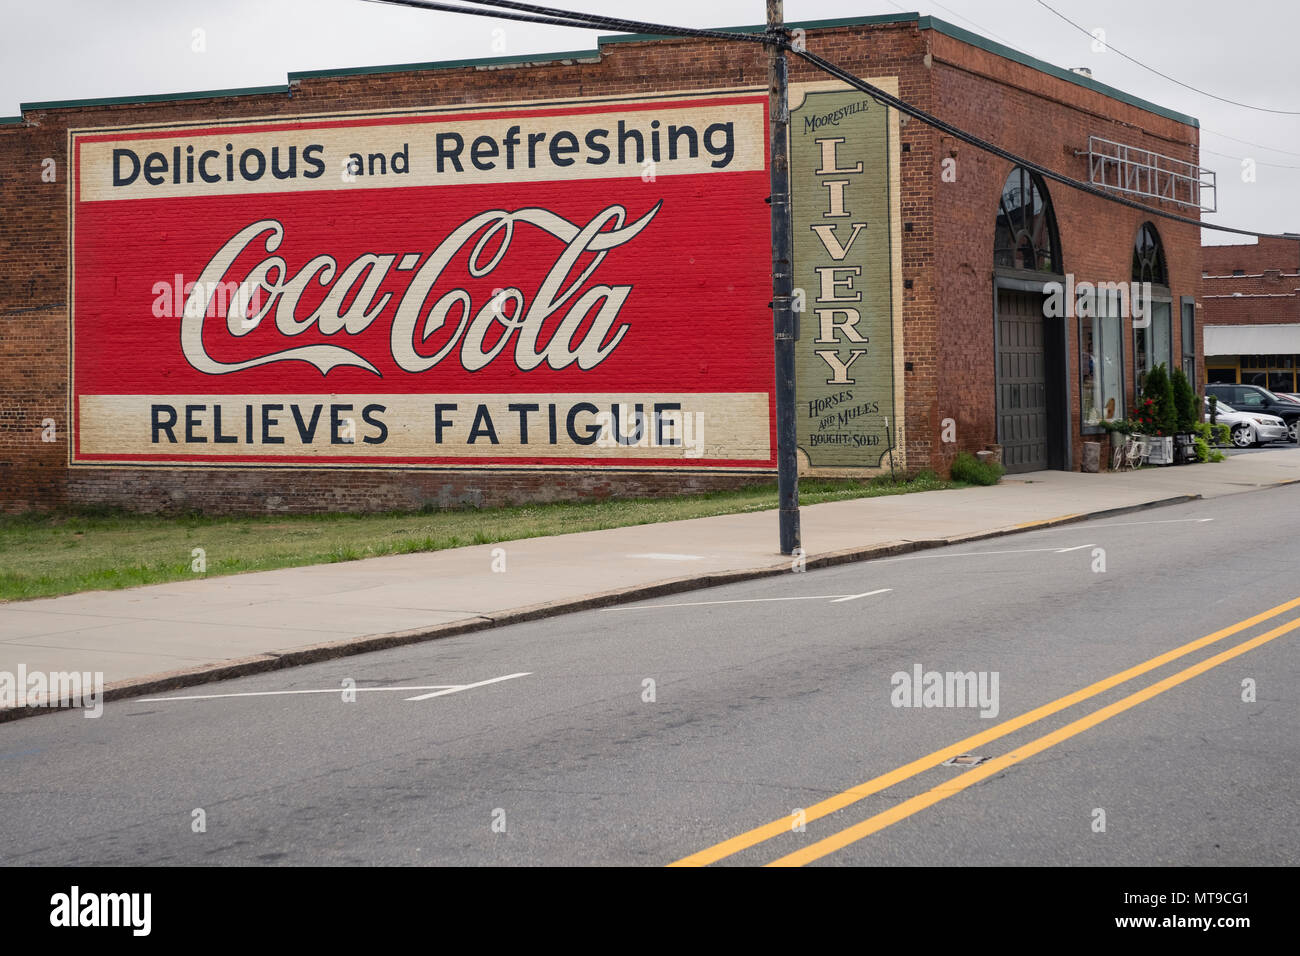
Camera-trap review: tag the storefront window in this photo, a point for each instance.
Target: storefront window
(1161, 335)
(1101, 364)
(1277, 373)
(1189, 340)
(1141, 356)
(1152, 343)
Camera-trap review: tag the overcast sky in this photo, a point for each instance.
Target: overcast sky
(1244, 51)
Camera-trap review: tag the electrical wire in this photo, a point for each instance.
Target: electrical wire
(531, 13)
(541, 14)
(604, 22)
(1186, 86)
(886, 99)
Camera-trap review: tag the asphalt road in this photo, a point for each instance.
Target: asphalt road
(768, 698)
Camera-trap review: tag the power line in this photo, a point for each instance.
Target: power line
(1246, 142)
(1242, 159)
(888, 100)
(1187, 86)
(592, 21)
(452, 8)
(1204, 129)
(531, 13)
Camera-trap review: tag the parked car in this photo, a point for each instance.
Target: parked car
(1252, 398)
(1249, 429)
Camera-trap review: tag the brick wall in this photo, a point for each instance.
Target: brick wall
(1253, 258)
(1046, 119)
(1267, 292)
(946, 253)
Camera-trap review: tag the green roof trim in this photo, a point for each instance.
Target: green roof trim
(587, 54)
(154, 98)
(761, 28)
(974, 39)
(447, 64)
(923, 23)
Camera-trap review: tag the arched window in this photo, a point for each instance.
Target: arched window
(1025, 236)
(1149, 257)
(1152, 341)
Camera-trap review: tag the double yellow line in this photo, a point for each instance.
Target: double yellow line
(905, 809)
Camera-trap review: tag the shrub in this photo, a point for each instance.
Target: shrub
(1158, 402)
(1202, 449)
(966, 467)
(1185, 401)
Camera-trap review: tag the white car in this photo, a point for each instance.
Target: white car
(1249, 429)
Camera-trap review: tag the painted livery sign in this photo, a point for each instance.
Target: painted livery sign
(850, 343)
(581, 283)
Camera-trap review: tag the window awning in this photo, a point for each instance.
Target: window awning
(1252, 340)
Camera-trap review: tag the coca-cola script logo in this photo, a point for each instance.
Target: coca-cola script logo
(522, 322)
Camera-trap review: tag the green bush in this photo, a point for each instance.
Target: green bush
(966, 467)
(1158, 394)
(1202, 449)
(1186, 404)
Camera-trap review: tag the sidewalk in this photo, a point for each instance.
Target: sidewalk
(171, 635)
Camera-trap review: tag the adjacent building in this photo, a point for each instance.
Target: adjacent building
(1252, 313)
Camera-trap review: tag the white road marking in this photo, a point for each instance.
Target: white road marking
(281, 693)
(438, 690)
(461, 687)
(970, 554)
(1126, 524)
(833, 598)
(1077, 547)
(854, 597)
(656, 556)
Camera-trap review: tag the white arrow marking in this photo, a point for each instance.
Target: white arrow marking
(461, 687)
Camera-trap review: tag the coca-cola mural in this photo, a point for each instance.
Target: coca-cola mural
(581, 283)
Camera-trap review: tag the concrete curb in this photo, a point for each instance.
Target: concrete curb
(270, 661)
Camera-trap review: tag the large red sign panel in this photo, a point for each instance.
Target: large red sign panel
(552, 285)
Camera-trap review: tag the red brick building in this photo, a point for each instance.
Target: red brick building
(979, 359)
(1252, 313)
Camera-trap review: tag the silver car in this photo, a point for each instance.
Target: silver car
(1249, 429)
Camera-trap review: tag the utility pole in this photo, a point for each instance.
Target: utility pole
(783, 325)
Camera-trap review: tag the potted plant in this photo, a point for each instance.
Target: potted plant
(1158, 414)
(1186, 417)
